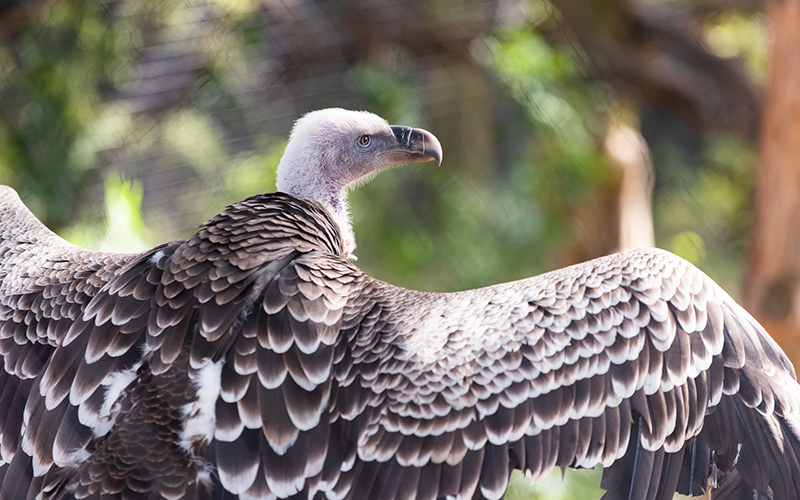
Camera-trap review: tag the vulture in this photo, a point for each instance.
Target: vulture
(254, 360)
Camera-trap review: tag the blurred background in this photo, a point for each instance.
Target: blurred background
(571, 129)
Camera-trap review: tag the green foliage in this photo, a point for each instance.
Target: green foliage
(50, 100)
(564, 166)
(251, 173)
(57, 123)
(388, 89)
(740, 35)
(569, 484)
(702, 211)
(122, 228)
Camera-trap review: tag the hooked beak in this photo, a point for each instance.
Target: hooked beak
(415, 144)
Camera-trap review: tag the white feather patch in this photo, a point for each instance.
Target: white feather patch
(200, 417)
(114, 385)
(156, 257)
(206, 476)
(69, 458)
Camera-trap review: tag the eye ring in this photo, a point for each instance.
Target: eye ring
(364, 141)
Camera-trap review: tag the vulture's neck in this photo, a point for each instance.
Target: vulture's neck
(337, 206)
(314, 187)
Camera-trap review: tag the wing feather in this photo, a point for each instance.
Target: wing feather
(450, 378)
(46, 285)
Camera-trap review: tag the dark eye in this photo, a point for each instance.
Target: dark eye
(364, 141)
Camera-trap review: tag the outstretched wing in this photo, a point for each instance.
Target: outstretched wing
(125, 402)
(45, 283)
(256, 348)
(338, 382)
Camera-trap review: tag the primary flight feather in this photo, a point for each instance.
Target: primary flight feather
(254, 360)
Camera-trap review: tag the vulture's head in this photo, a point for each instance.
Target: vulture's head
(332, 149)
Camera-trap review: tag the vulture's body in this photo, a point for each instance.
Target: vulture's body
(255, 359)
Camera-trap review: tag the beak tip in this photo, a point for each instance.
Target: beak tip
(419, 143)
(434, 148)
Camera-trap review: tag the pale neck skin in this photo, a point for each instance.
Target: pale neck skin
(331, 196)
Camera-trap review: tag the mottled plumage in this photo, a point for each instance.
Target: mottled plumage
(254, 359)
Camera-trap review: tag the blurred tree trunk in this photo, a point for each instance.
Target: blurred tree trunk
(621, 215)
(772, 283)
(628, 153)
